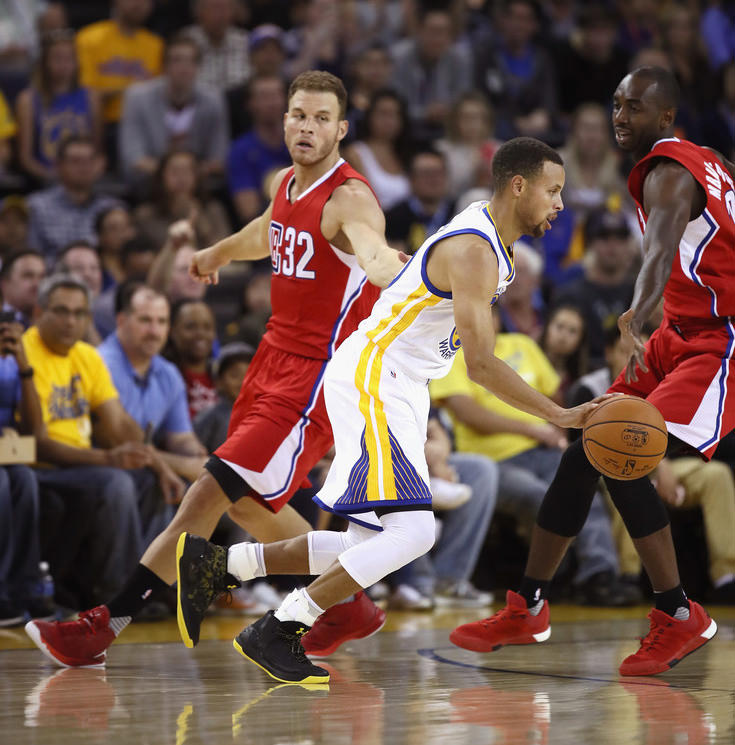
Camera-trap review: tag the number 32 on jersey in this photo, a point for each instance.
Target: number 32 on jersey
(291, 251)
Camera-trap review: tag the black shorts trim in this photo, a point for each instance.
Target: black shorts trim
(232, 484)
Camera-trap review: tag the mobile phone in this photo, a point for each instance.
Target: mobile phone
(7, 316)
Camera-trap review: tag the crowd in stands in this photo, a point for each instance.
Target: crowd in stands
(133, 132)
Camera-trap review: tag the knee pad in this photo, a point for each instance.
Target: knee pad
(639, 505)
(326, 545)
(569, 496)
(405, 536)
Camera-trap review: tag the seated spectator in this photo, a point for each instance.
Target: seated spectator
(370, 71)
(92, 451)
(13, 226)
(82, 260)
(224, 46)
(517, 75)
(606, 288)
(136, 259)
(442, 577)
(251, 321)
(67, 211)
(190, 346)
(177, 194)
(54, 108)
(564, 342)
(718, 124)
(431, 71)
(259, 152)
(428, 206)
(267, 60)
(113, 229)
(151, 389)
(172, 112)
(114, 54)
(528, 451)
(20, 277)
(211, 423)
(469, 145)
(8, 130)
(20, 552)
(383, 147)
(521, 307)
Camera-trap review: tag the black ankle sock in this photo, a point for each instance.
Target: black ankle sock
(671, 600)
(533, 590)
(138, 591)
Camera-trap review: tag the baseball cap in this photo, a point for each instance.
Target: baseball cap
(605, 223)
(234, 352)
(14, 202)
(265, 32)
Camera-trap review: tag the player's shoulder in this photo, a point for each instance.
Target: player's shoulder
(277, 180)
(352, 195)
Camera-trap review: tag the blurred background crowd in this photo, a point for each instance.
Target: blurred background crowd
(118, 119)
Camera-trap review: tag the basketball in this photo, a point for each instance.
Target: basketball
(625, 438)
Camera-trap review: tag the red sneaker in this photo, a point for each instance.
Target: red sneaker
(354, 620)
(510, 625)
(79, 643)
(669, 641)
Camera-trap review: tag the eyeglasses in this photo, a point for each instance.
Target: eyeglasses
(64, 313)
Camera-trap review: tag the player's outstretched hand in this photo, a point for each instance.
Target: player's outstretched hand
(634, 345)
(204, 267)
(575, 417)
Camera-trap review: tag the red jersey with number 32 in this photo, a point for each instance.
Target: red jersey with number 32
(702, 281)
(318, 293)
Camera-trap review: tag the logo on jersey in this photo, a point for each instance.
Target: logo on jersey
(291, 251)
(449, 347)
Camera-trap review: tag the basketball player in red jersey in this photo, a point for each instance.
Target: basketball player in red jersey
(324, 232)
(686, 206)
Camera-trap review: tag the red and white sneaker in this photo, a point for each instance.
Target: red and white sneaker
(81, 643)
(669, 641)
(357, 619)
(510, 625)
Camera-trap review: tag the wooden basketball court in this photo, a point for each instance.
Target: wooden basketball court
(407, 684)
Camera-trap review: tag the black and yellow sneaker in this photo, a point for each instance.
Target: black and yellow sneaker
(275, 646)
(201, 574)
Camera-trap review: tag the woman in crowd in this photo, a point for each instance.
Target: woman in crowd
(564, 341)
(54, 107)
(383, 148)
(177, 195)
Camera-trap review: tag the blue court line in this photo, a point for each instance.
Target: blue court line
(431, 654)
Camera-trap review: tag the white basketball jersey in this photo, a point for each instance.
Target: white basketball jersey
(412, 323)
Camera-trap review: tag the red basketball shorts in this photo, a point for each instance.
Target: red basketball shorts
(690, 380)
(279, 428)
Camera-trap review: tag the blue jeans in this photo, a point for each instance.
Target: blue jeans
(105, 502)
(455, 554)
(524, 479)
(19, 537)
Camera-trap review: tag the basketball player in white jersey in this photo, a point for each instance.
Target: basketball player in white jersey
(378, 403)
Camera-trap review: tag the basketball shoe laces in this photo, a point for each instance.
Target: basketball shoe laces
(654, 638)
(504, 615)
(294, 641)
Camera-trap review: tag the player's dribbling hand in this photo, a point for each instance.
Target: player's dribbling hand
(634, 345)
(204, 268)
(575, 417)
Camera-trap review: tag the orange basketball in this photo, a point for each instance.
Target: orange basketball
(625, 438)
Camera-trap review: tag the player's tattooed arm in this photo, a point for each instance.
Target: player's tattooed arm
(356, 225)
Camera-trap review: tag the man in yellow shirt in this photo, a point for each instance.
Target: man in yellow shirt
(528, 451)
(115, 53)
(100, 486)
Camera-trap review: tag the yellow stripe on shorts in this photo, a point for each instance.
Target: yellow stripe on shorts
(381, 478)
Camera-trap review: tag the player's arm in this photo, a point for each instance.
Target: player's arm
(356, 214)
(472, 272)
(670, 194)
(249, 243)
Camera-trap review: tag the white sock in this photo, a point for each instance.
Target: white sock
(298, 606)
(245, 561)
(118, 623)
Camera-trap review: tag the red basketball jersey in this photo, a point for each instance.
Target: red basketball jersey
(703, 272)
(318, 293)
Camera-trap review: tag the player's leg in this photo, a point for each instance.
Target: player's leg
(273, 642)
